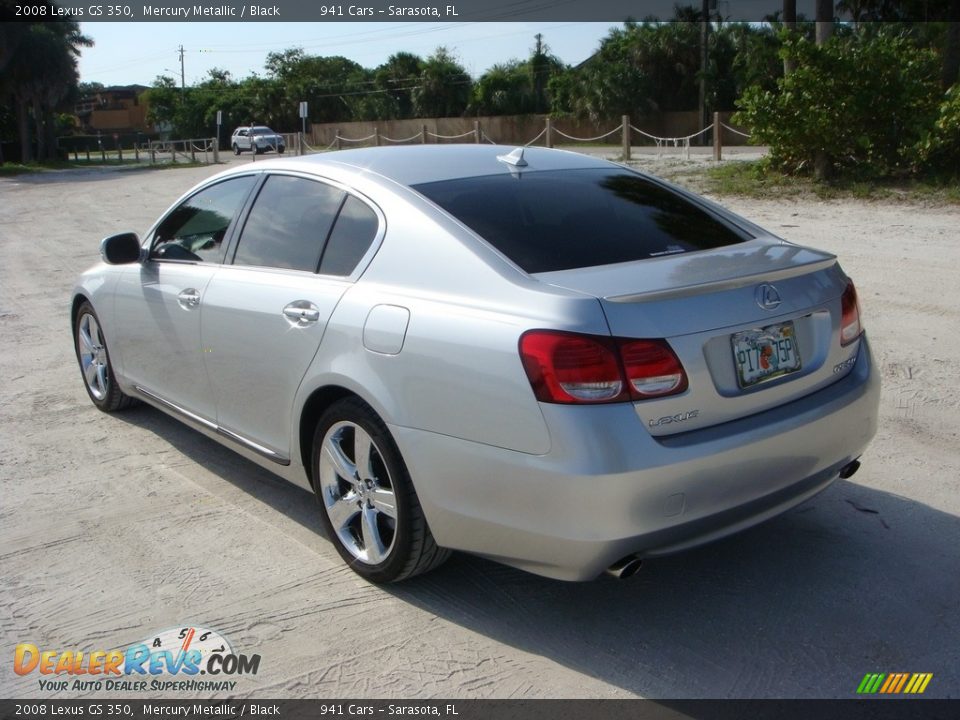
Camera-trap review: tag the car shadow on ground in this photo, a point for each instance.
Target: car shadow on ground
(854, 581)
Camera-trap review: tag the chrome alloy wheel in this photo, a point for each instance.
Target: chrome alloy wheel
(358, 492)
(93, 356)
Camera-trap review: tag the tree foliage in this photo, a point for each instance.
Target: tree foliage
(939, 149)
(38, 74)
(443, 89)
(864, 102)
(654, 66)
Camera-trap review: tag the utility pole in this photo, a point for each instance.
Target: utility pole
(183, 77)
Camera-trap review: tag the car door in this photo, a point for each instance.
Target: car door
(241, 140)
(265, 314)
(159, 301)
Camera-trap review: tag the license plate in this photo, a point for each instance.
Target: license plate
(765, 353)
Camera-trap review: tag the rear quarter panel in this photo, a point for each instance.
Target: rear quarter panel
(458, 371)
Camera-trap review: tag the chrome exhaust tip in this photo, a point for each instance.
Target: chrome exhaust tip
(625, 567)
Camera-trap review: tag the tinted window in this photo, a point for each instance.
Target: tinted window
(353, 234)
(288, 224)
(546, 221)
(196, 228)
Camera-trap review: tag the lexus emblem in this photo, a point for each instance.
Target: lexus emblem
(768, 297)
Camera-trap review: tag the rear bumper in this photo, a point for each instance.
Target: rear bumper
(607, 488)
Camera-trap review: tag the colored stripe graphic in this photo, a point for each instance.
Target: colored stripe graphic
(903, 681)
(894, 683)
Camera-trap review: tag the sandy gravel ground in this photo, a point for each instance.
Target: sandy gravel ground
(113, 528)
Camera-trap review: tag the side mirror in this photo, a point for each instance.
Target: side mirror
(120, 249)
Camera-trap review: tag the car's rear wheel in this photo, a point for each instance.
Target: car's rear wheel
(236, 149)
(369, 508)
(94, 360)
(281, 149)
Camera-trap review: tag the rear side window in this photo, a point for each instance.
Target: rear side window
(559, 220)
(288, 224)
(352, 236)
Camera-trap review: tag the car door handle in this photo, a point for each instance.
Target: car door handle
(189, 298)
(302, 312)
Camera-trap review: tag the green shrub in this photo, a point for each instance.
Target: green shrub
(939, 149)
(864, 102)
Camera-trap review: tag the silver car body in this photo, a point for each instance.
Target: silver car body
(257, 137)
(425, 330)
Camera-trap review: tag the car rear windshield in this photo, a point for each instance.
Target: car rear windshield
(559, 220)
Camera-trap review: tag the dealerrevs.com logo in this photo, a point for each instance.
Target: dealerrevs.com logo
(170, 661)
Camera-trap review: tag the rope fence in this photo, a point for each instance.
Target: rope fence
(547, 136)
(617, 129)
(409, 139)
(451, 137)
(734, 130)
(210, 147)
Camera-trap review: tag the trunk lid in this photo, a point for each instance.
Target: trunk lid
(698, 302)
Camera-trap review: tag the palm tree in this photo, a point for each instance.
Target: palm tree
(40, 76)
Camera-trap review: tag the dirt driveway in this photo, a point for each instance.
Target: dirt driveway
(115, 528)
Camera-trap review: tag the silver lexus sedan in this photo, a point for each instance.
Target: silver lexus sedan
(531, 355)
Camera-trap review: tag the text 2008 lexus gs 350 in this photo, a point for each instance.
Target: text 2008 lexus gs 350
(531, 355)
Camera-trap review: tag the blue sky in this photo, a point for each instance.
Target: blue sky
(128, 53)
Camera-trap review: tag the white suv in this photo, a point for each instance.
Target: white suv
(258, 138)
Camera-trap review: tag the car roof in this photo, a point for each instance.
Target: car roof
(416, 164)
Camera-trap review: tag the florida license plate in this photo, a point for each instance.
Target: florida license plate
(765, 353)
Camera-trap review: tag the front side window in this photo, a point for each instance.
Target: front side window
(288, 224)
(195, 230)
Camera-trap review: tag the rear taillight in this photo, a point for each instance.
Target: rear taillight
(850, 327)
(652, 369)
(573, 368)
(569, 368)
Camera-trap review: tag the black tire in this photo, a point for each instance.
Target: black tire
(236, 149)
(256, 149)
(280, 150)
(405, 542)
(91, 349)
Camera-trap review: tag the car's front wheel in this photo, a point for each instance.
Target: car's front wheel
(236, 149)
(369, 507)
(94, 362)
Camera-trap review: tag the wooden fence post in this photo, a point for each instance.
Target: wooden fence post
(376, 136)
(717, 141)
(626, 137)
(549, 137)
(336, 139)
(216, 150)
(476, 131)
(423, 134)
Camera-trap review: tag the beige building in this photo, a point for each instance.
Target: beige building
(114, 109)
